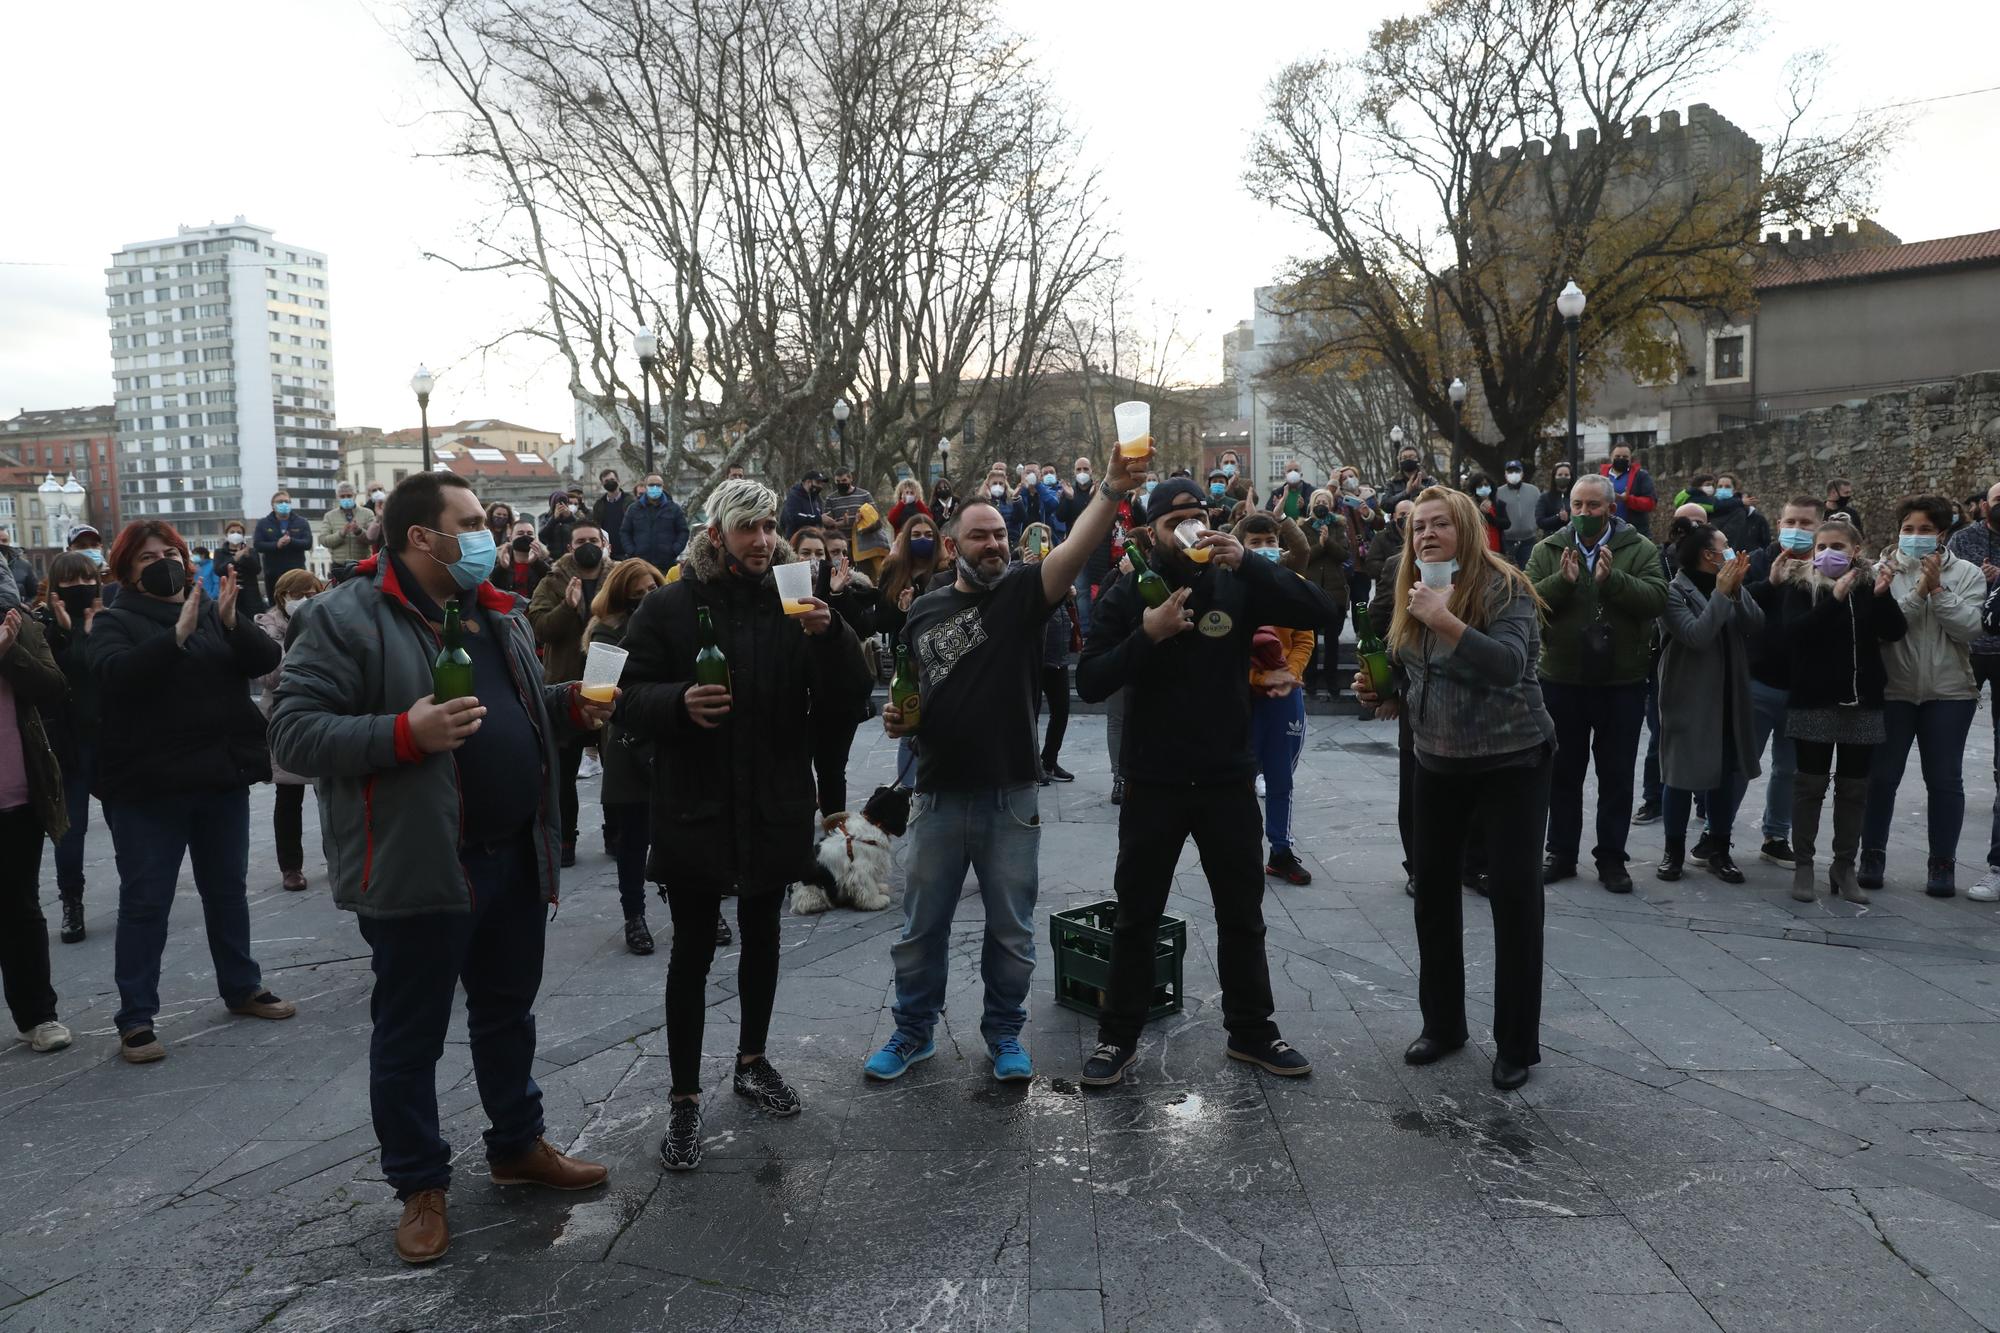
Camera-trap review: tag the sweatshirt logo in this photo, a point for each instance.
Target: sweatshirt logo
(1215, 624)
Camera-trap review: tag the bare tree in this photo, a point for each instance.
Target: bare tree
(1340, 416)
(1438, 170)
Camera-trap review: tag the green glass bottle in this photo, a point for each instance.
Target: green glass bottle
(710, 666)
(1373, 655)
(903, 691)
(1152, 588)
(451, 673)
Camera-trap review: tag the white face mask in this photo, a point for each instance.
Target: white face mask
(376, 497)
(1513, 479)
(1292, 477)
(1083, 479)
(996, 490)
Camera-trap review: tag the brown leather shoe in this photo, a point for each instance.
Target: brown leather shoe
(423, 1235)
(264, 1005)
(543, 1165)
(295, 881)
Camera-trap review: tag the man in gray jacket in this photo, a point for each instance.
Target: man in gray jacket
(432, 837)
(1517, 502)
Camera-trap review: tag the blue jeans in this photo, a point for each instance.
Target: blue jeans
(1939, 728)
(419, 961)
(1767, 722)
(997, 833)
(1278, 734)
(151, 837)
(78, 776)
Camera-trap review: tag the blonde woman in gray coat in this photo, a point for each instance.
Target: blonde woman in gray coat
(1706, 738)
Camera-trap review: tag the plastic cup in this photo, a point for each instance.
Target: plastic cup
(795, 585)
(1187, 534)
(602, 667)
(1134, 422)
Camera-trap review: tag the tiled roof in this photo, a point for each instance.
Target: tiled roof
(61, 419)
(1981, 247)
(509, 466)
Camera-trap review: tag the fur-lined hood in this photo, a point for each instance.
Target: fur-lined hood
(701, 562)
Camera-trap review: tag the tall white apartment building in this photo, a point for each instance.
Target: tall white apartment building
(222, 362)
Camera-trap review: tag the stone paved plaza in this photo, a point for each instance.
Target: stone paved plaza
(1751, 1115)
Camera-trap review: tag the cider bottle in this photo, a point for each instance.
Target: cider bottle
(1152, 588)
(903, 691)
(1373, 655)
(710, 666)
(451, 672)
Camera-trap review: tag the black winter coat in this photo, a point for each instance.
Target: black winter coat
(1835, 646)
(732, 806)
(173, 716)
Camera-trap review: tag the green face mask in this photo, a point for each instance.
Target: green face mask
(1588, 526)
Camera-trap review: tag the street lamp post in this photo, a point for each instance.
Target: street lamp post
(840, 415)
(58, 508)
(1569, 304)
(1457, 392)
(421, 384)
(1396, 443)
(647, 344)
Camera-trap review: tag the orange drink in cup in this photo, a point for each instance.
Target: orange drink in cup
(1134, 422)
(602, 667)
(1187, 534)
(795, 585)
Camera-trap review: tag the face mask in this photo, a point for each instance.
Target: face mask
(971, 574)
(943, 492)
(1728, 554)
(923, 548)
(610, 485)
(347, 502)
(1561, 484)
(1795, 539)
(1513, 479)
(1216, 488)
(77, 600)
(1321, 511)
(235, 539)
(376, 497)
(1620, 464)
(1832, 563)
(522, 545)
(1048, 479)
(1915, 546)
(475, 558)
(1482, 491)
(1350, 485)
(1083, 479)
(1408, 465)
(589, 557)
(284, 507)
(96, 555)
(1725, 492)
(1229, 469)
(653, 492)
(1270, 553)
(1150, 485)
(1588, 526)
(996, 490)
(1437, 573)
(1292, 478)
(163, 578)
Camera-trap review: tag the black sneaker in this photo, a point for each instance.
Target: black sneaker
(1778, 851)
(1647, 813)
(1874, 865)
(569, 854)
(72, 919)
(680, 1150)
(1107, 1065)
(1409, 886)
(1614, 879)
(1723, 868)
(1475, 881)
(1275, 1056)
(1284, 865)
(637, 937)
(766, 1089)
(1704, 847)
(723, 938)
(1043, 779)
(1054, 772)
(1555, 871)
(1117, 791)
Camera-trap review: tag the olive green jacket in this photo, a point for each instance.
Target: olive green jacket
(1628, 601)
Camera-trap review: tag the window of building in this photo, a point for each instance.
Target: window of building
(1729, 358)
(1729, 353)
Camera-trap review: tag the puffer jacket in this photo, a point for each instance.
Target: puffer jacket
(732, 806)
(1627, 602)
(389, 814)
(653, 530)
(558, 625)
(1933, 659)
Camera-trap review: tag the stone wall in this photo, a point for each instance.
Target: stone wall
(1941, 438)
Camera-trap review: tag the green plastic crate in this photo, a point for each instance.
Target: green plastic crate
(1081, 938)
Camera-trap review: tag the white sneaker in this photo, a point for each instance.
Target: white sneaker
(1986, 890)
(50, 1036)
(1260, 786)
(590, 768)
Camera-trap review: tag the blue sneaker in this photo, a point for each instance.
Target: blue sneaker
(890, 1062)
(1010, 1061)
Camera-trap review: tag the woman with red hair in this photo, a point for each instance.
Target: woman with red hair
(179, 745)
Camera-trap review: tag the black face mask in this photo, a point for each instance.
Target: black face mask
(844, 487)
(1620, 464)
(1408, 465)
(589, 557)
(163, 578)
(522, 545)
(77, 600)
(1321, 511)
(610, 485)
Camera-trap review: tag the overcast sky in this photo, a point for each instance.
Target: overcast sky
(126, 119)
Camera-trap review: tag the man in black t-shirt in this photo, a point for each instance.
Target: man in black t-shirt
(978, 648)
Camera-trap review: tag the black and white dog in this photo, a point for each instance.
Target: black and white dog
(851, 865)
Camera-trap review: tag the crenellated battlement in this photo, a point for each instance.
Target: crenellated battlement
(1703, 128)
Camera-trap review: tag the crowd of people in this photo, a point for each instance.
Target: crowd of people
(1533, 635)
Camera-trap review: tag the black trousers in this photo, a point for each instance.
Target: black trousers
(1502, 807)
(1406, 771)
(830, 770)
(1227, 827)
(288, 826)
(1600, 724)
(24, 931)
(694, 912)
(1053, 686)
(569, 759)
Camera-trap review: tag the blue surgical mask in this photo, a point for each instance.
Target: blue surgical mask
(476, 555)
(1229, 468)
(1482, 491)
(1728, 554)
(1216, 488)
(1795, 539)
(1150, 485)
(653, 492)
(1725, 492)
(923, 548)
(347, 502)
(1271, 553)
(1916, 546)
(284, 507)
(96, 555)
